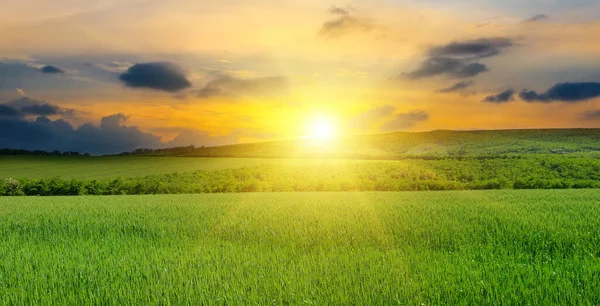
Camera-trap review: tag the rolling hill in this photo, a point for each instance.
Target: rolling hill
(401, 145)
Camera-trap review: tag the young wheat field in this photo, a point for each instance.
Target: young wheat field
(364, 248)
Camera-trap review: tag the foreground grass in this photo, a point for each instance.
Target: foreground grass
(473, 247)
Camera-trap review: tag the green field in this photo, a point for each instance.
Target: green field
(105, 167)
(416, 248)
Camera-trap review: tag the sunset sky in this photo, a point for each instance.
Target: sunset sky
(106, 76)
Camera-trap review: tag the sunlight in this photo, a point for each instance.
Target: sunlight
(321, 128)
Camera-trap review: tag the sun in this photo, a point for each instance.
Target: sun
(321, 128)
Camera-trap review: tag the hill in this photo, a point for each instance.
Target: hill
(401, 145)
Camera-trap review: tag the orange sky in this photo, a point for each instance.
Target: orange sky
(264, 70)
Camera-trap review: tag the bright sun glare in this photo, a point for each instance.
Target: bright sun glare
(322, 128)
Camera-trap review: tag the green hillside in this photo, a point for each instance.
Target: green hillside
(435, 144)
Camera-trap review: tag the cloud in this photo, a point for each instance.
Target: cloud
(460, 86)
(40, 109)
(564, 92)
(478, 48)
(592, 115)
(405, 120)
(459, 59)
(503, 97)
(536, 18)
(344, 23)
(112, 136)
(28, 106)
(455, 68)
(336, 10)
(113, 121)
(51, 70)
(226, 85)
(368, 119)
(158, 75)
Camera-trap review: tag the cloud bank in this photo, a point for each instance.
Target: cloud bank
(111, 136)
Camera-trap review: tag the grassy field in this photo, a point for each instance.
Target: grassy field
(106, 167)
(415, 248)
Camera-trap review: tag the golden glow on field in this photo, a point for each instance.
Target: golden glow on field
(321, 128)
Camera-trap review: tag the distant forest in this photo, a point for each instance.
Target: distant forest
(6, 151)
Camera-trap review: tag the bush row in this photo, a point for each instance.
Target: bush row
(532, 173)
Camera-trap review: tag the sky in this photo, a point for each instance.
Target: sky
(107, 76)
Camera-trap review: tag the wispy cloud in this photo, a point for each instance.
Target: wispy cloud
(345, 21)
(502, 97)
(460, 86)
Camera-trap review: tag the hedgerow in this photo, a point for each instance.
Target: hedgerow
(410, 175)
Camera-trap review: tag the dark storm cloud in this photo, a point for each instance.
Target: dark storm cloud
(112, 136)
(460, 86)
(503, 97)
(232, 86)
(564, 92)
(459, 59)
(51, 70)
(405, 121)
(158, 75)
(344, 22)
(592, 115)
(537, 18)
